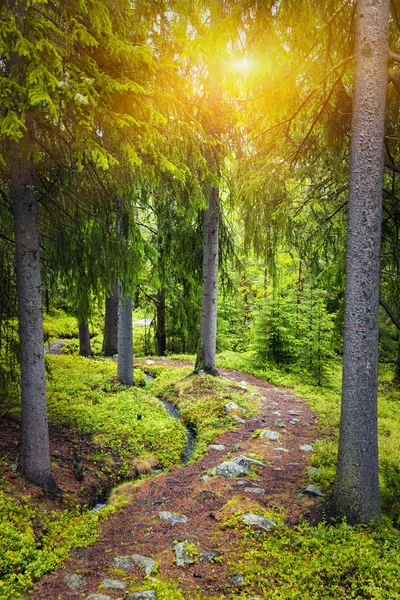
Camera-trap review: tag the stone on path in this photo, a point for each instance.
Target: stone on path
(147, 563)
(232, 469)
(172, 518)
(98, 597)
(261, 522)
(295, 413)
(74, 581)
(306, 448)
(312, 490)
(182, 555)
(276, 413)
(233, 406)
(239, 460)
(142, 595)
(114, 584)
(313, 470)
(254, 490)
(219, 447)
(238, 419)
(280, 449)
(237, 579)
(205, 478)
(271, 435)
(123, 562)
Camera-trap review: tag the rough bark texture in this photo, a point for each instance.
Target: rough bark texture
(84, 340)
(356, 492)
(161, 323)
(125, 341)
(35, 448)
(110, 341)
(208, 325)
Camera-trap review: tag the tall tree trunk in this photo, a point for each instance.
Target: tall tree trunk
(161, 323)
(208, 325)
(84, 339)
(110, 341)
(125, 340)
(35, 447)
(356, 491)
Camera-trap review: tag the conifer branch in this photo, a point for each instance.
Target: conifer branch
(389, 312)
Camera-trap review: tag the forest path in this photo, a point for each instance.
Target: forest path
(138, 529)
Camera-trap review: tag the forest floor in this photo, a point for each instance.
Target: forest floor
(106, 570)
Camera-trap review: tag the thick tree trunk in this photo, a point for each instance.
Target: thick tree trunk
(356, 491)
(110, 341)
(208, 326)
(125, 340)
(84, 340)
(35, 447)
(161, 324)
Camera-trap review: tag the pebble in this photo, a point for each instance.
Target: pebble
(271, 435)
(181, 555)
(123, 562)
(142, 595)
(294, 412)
(98, 597)
(261, 522)
(74, 581)
(232, 469)
(254, 490)
(238, 419)
(147, 563)
(205, 478)
(237, 579)
(306, 448)
(219, 447)
(233, 406)
(276, 413)
(114, 584)
(281, 449)
(172, 518)
(312, 490)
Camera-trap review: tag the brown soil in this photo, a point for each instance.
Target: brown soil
(137, 529)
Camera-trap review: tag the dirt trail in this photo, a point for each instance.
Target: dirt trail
(137, 529)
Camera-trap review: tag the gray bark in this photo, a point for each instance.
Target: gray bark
(35, 447)
(356, 491)
(84, 340)
(125, 340)
(110, 341)
(208, 325)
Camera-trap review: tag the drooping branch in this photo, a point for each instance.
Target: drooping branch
(395, 81)
(394, 57)
(390, 313)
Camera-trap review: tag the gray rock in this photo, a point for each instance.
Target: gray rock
(219, 447)
(205, 478)
(237, 579)
(254, 490)
(182, 556)
(295, 413)
(208, 556)
(149, 362)
(271, 435)
(306, 448)
(281, 449)
(147, 563)
(280, 424)
(241, 482)
(172, 518)
(233, 406)
(312, 490)
(243, 384)
(292, 464)
(250, 460)
(276, 413)
(238, 419)
(142, 595)
(114, 584)
(236, 447)
(293, 421)
(98, 597)
(123, 562)
(277, 469)
(74, 581)
(231, 469)
(256, 520)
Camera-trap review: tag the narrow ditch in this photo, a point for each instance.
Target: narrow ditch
(173, 411)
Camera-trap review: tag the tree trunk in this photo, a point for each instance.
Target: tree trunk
(35, 447)
(396, 378)
(110, 341)
(161, 322)
(356, 491)
(208, 326)
(84, 340)
(125, 341)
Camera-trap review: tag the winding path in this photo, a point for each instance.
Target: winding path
(138, 530)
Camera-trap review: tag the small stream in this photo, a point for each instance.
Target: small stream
(189, 448)
(174, 412)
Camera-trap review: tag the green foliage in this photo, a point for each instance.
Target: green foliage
(321, 562)
(81, 394)
(33, 542)
(201, 400)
